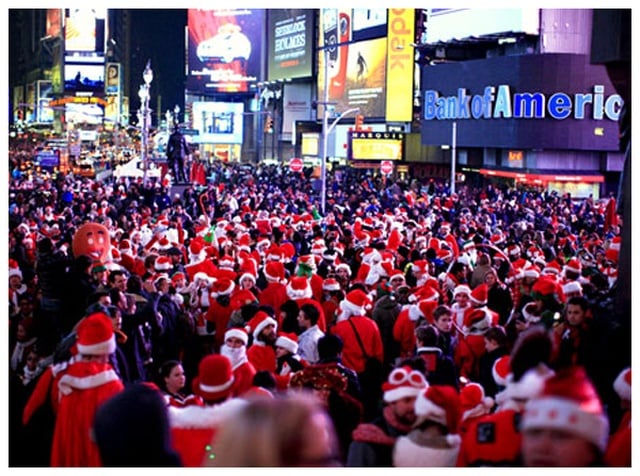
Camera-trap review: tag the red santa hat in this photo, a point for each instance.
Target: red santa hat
(163, 244)
(622, 384)
(14, 268)
(177, 276)
(461, 289)
(299, 288)
(95, 335)
(159, 277)
(196, 250)
(331, 284)
(426, 308)
(476, 319)
(356, 302)
(569, 403)
(574, 266)
(226, 262)
(513, 250)
(288, 341)
(344, 266)
(242, 298)
(542, 288)
(613, 251)
(530, 313)
(439, 404)
(274, 271)
(163, 263)
(248, 270)
(480, 294)
(532, 272)
(214, 379)
(500, 370)
(222, 287)
(202, 276)
(572, 287)
(473, 401)
(238, 334)
(553, 267)
(309, 261)
(258, 322)
(125, 246)
(403, 382)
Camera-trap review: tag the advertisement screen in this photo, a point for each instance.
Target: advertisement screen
(48, 160)
(44, 91)
(376, 145)
(368, 23)
(290, 43)
(83, 113)
(218, 122)
(84, 77)
(224, 49)
(84, 29)
(356, 76)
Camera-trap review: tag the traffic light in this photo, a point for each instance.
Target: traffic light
(268, 124)
(359, 121)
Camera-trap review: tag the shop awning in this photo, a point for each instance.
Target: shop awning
(539, 178)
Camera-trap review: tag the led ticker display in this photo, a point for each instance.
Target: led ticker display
(224, 49)
(376, 145)
(290, 43)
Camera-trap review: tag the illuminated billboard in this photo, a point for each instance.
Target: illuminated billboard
(375, 145)
(218, 122)
(368, 23)
(224, 49)
(84, 30)
(81, 77)
(44, 92)
(83, 113)
(290, 53)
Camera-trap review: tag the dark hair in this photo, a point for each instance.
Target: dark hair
(311, 312)
(579, 301)
(330, 346)
(496, 334)
(428, 335)
(165, 370)
(264, 379)
(440, 311)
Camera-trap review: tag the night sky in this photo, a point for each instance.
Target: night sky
(158, 35)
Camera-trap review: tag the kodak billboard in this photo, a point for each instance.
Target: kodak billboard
(400, 64)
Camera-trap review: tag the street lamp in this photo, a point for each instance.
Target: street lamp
(145, 115)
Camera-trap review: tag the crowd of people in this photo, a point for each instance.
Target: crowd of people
(234, 324)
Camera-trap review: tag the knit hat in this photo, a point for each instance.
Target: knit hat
(500, 370)
(542, 288)
(622, 384)
(222, 287)
(274, 271)
(299, 288)
(95, 335)
(344, 266)
(513, 250)
(403, 382)
(97, 267)
(307, 262)
(473, 402)
(238, 333)
(163, 263)
(14, 269)
(480, 294)
(530, 313)
(258, 322)
(440, 404)
(214, 379)
(288, 341)
(356, 302)
(569, 402)
(177, 276)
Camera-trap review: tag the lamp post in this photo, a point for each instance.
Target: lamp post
(145, 115)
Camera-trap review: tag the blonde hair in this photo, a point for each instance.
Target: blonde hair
(272, 432)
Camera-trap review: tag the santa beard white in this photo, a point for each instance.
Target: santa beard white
(237, 355)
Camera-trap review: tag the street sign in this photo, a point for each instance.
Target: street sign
(386, 167)
(296, 165)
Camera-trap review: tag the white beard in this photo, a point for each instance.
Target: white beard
(237, 355)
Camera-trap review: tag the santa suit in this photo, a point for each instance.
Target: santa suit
(193, 429)
(274, 295)
(316, 283)
(219, 315)
(243, 378)
(83, 388)
(618, 453)
(404, 330)
(205, 266)
(467, 355)
(491, 440)
(46, 388)
(369, 335)
(262, 356)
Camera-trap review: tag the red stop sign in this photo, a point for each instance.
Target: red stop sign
(296, 165)
(386, 167)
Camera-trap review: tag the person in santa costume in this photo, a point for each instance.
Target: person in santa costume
(354, 326)
(373, 441)
(171, 382)
(299, 290)
(193, 428)
(220, 309)
(235, 348)
(198, 260)
(618, 453)
(275, 292)
(409, 318)
(88, 381)
(433, 441)
(261, 353)
(565, 425)
(494, 439)
(473, 404)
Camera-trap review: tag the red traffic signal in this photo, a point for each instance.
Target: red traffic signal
(359, 121)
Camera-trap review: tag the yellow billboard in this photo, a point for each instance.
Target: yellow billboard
(400, 64)
(376, 145)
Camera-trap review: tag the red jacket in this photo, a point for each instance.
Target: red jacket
(369, 334)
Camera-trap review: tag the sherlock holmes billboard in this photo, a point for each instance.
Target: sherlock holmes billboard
(552, 101)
